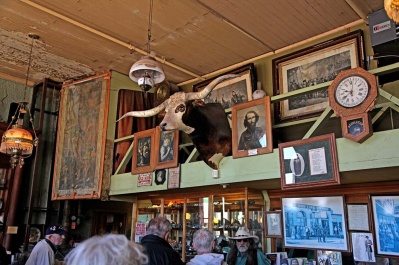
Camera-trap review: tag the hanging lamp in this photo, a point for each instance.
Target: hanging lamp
(18, 142)
(392, 9)
(147, 72)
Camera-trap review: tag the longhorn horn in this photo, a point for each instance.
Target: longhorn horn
(145, 113)
(208, 89)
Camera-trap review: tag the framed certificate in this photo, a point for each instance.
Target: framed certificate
(358, 217)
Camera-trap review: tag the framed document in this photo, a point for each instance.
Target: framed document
(358, 217)
(273, 226)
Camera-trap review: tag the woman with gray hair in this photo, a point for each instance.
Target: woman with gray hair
(108, 249)
(203, 243)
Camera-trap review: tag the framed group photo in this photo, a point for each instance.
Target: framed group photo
(166, 148)
(143, 155)
(386, 227)
(315, 223)
(309, 162)
(312, 66)
(232, 91)
(252, 128)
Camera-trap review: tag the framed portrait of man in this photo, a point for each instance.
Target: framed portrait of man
(252, 128)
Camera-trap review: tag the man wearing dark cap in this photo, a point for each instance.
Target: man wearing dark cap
(44, 251)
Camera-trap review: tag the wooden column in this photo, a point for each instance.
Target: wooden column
(10, 239)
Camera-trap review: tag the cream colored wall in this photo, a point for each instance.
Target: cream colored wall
(351, 157)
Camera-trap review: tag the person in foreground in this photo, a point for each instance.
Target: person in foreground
(106, 250)
(44, 251)
(203, 243)
(156, 243)
(243, 250)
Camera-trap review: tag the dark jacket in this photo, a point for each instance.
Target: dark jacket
(159, 251)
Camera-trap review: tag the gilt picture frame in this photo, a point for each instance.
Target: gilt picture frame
(143, 152)
(232, 91)
(166, 148)
(309, 162)
(249, 141)
(311, 66)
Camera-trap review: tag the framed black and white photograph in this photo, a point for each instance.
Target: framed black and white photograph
(232, 91)
(309, 222)
(385, 212)
(358, 217)
(160, 176)
(312, 66)
(325, 257)
(363, 247)
(252, 128)
(273, 226)
(309, 162)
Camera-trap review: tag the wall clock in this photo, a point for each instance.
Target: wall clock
(352, 95)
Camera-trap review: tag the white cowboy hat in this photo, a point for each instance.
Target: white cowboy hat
(243, 233)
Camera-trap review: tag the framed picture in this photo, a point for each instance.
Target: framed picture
(363, 247)
(309, 162)
(81, 145)
(309, 222)
(311, 66)
(325, 257)
(160, 176)
(144, 179)
(233, 91)
(385, 211)
(273, 227)
(166, 148)
(143, 152)
(358, 216)
(252, 128)
(174, 178)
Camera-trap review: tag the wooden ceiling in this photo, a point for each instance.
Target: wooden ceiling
(192, 38)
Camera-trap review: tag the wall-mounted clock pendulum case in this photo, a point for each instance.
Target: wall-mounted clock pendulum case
(352, 95)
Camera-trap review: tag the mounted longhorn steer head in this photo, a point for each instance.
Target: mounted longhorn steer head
(205, 124)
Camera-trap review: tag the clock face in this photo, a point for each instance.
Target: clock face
(352, 91)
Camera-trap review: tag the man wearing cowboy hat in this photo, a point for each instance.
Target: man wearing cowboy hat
(243, 250)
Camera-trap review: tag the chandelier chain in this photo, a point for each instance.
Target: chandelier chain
(29, 62)
(149, 29)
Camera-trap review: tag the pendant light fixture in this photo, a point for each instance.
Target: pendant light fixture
(147, 72)
(18, 142)
(392, 9)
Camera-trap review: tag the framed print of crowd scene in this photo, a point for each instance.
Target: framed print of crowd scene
(386, 224)
(252, 128)
(309, 162)
(315, 223)
(233, 91)
(312, 66)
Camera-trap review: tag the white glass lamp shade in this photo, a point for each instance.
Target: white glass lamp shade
(147, 67)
